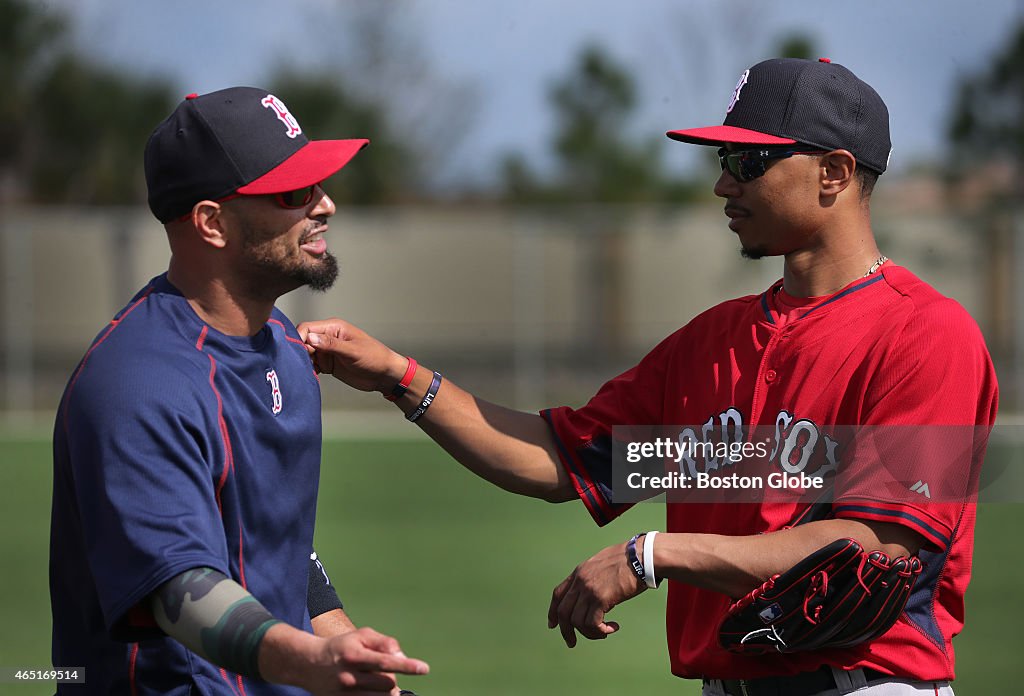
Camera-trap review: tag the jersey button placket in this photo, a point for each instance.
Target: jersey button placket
(757, 403)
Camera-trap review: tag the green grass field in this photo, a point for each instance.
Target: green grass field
(462, 573)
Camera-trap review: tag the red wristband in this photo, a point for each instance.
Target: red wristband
(403, 384)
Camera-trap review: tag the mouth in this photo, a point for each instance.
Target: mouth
(314, 242)
(736, 215)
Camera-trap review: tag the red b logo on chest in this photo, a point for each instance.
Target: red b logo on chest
(275, 390)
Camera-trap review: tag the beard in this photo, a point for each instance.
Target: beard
(753, 254)
(319, 277)
(277, 265)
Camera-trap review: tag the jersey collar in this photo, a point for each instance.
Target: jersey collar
(853, 287)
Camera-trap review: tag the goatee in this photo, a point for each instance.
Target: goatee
(321, 276)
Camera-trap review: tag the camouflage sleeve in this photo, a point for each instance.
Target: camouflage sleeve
(214, 617)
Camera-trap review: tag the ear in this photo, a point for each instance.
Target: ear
(837, 168)
(208, 220)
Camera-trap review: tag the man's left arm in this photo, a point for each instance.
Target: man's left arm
(326, 612)
(731, 565)
(332, 623)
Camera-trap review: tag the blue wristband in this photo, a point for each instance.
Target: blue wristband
(428, 399)
(635, 564)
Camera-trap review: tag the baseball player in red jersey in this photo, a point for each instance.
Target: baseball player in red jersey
(845, 338)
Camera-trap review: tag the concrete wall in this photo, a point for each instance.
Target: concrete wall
(520, 299)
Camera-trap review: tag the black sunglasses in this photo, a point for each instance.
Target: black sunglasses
(747, 165)
(299, 198)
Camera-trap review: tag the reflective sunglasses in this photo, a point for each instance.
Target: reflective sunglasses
(747, 165)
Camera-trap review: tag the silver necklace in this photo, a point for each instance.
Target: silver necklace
(876, 265)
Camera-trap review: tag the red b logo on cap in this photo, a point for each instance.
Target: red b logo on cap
(283, 114)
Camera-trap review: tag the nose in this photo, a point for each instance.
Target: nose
(325, 206)
(727, 186)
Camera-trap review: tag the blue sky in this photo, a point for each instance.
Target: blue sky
(685, 55)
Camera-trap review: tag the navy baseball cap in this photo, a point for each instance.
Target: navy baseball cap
(784, 101)
(236, 140)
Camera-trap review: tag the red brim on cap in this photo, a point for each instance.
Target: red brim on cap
(314, 162)
(721, 135)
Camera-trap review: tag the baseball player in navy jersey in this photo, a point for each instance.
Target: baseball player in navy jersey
(187, 443)
(845, 338)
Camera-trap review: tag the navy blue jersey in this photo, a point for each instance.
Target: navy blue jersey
(176, 447)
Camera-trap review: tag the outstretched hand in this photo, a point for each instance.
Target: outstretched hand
(357, 663)
(595, 587)
(351, 355)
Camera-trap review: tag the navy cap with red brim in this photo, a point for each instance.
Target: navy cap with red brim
(311, 164)
(723, 135)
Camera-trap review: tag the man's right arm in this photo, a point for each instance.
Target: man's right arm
(511, 449)
(216, 618)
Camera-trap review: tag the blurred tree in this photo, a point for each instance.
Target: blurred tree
(596, 158)
(92, 124)
(329, 110)
(70, 131)
(797, 45)
(381, 85)
(987, 122)
(986, 166)
(519, 181)
(27, 34)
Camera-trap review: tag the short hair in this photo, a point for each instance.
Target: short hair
(867, 179)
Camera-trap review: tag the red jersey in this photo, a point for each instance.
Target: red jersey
(886, 351)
